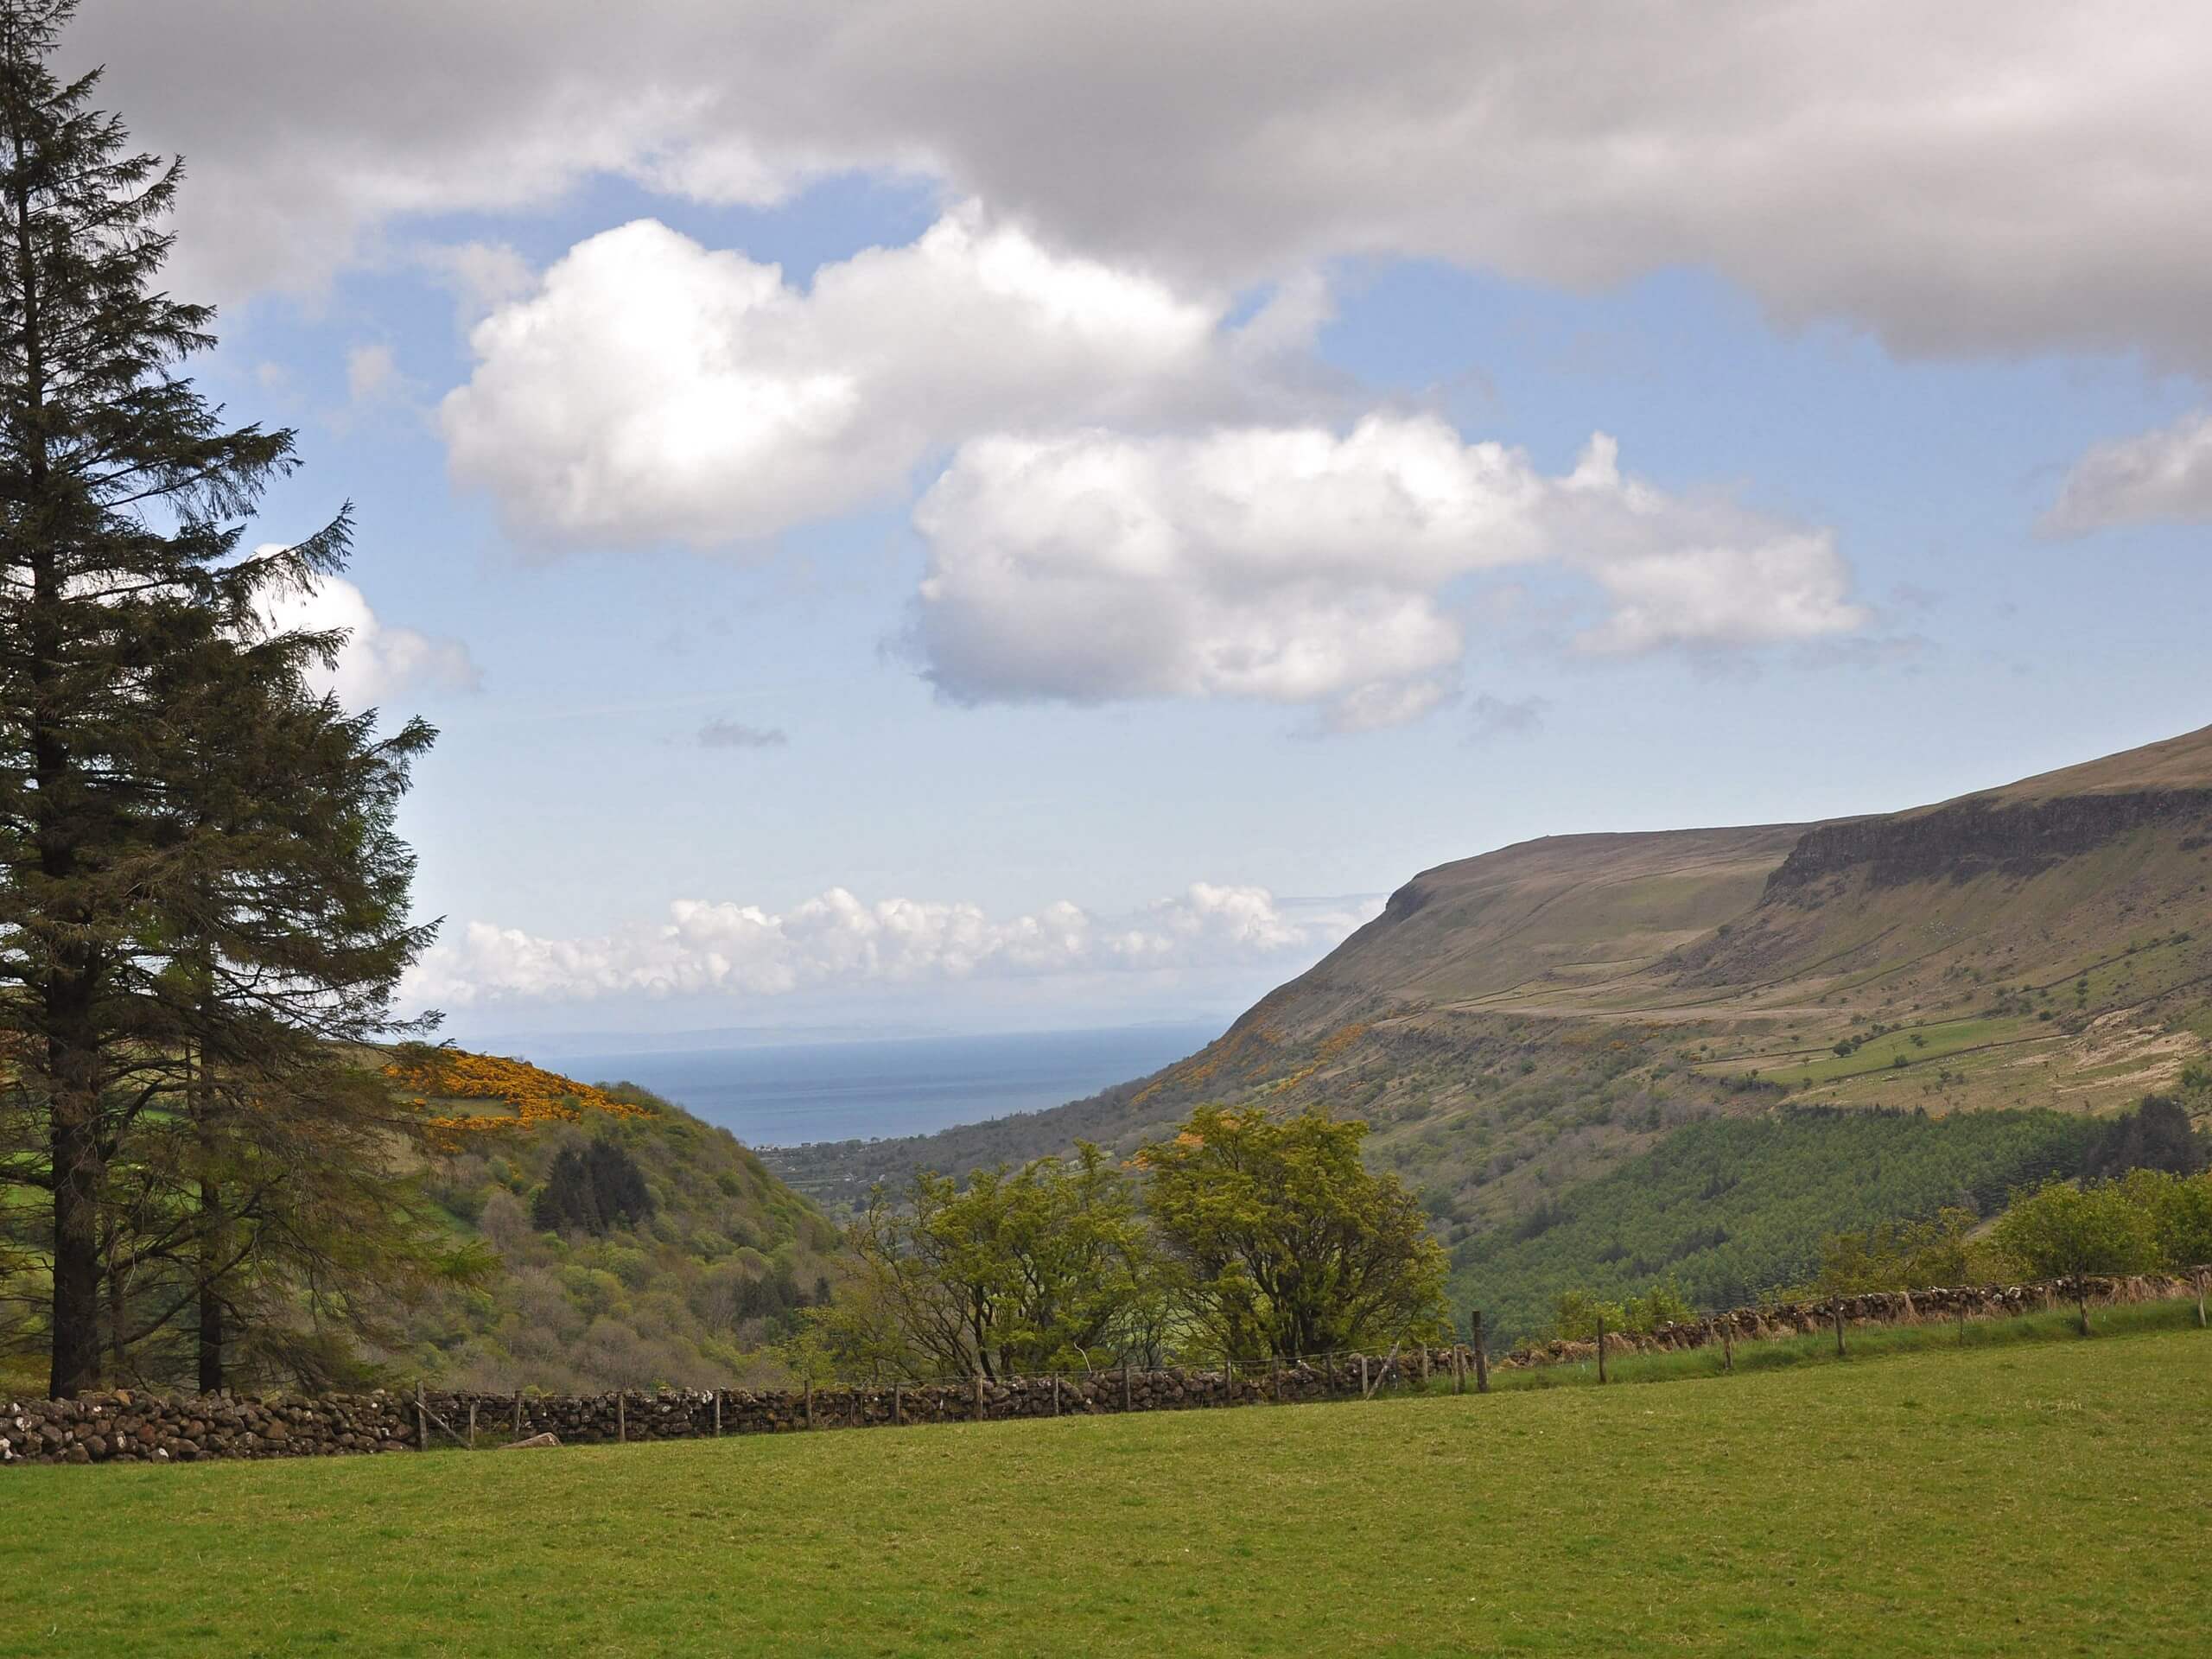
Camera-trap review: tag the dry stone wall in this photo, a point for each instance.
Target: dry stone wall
(132, 1426)
(1883, 1308)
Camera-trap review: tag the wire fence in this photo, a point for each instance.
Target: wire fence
(127, 1425)
(1459, 1368)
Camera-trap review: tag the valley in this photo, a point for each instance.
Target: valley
(1518, 1024)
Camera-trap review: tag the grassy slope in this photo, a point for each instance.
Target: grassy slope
(1520, 1023)
(1986, 1501)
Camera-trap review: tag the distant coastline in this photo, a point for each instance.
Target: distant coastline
(786, 1094)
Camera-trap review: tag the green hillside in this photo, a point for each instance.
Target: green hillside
(686, 1277)
(1519, 1024)
(1994, 1500)
(686, 1295)
(1734, 1206)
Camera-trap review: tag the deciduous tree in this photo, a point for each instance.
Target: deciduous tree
(1288, 1244)
(1047, 1267)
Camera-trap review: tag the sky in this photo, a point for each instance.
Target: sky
(957, 517)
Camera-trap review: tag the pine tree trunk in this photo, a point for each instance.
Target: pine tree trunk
(210, 1241)
(80, 1176)
(76, 1314)
(118, 1305)
(73, 1072)
(211, 1334)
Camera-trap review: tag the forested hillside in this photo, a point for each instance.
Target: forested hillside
(701, 1261)
(1733, 1207)
(570, 1237)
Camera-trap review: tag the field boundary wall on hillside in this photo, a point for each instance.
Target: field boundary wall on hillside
(138, 1426)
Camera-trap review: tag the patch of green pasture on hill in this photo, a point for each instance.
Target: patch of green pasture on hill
(1732, 1207)
(1940, 1040)
(1992, 1502)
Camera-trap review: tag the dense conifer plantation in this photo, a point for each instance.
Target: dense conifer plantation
(201, 894)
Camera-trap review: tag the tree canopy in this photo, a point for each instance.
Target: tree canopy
(1288, 1244)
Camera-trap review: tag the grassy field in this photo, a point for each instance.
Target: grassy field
(1998, 1499)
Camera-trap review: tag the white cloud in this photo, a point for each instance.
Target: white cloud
(652, 388)
(371, 373)
(1698, 571)
(1294, 565)
(378, 661)
(482, 275)
(1984, 176)
(836, 939)
(2160, 477)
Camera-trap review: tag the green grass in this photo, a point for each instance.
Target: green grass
(2040, 1497)
(1939, 1042)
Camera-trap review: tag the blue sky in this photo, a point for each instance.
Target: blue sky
(1078, 587)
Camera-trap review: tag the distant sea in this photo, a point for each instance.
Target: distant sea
(782, 1097)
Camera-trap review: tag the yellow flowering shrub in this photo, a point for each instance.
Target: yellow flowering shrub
(434, 1079)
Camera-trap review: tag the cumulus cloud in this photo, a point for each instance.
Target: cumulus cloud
(2160, 477)
(1698, 571)
(837, 939)
(481, 275)
(371, 372)
(652, 388)
(1296, 565)
(736, 735)
(379, 661)
(1988, 175)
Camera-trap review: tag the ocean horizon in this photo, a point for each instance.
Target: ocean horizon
(790, 1094)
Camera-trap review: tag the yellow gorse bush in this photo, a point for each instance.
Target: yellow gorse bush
(533, 1095)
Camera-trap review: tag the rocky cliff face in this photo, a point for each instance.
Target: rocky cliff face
(1974, 836)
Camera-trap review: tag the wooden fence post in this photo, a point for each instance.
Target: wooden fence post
(1362, 1377)
(718, 1414)
(621, 1417)
(809, 1402)
(898, 1404)
(421, 1419)
(472, 1424)
(1482, 1359)
(1838, 1327)
(979, 1396)
(1125, 1383)
(2199, 1276)
(518, 1413)
(1601, 1347)
(1424, 1367)
(1727, 1342)
(1056, 1394)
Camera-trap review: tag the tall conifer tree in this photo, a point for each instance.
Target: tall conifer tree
(198, 884)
